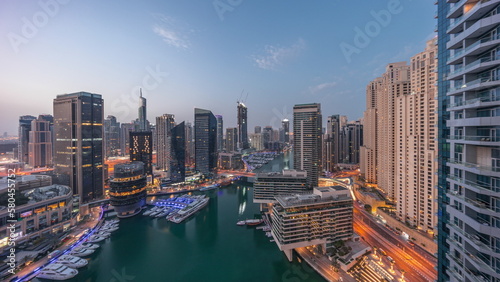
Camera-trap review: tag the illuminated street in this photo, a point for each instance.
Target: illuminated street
(416, 266)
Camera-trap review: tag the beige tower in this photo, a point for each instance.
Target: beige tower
(395, 83)
(368, 152)
(416, 148)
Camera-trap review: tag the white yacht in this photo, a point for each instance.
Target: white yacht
(81, 252)
(72, 261)
(113, 221)
(89, 246)
(95, 239)
(108, 228)
(104, 234)
(57, 271)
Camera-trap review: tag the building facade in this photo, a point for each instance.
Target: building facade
(178, 160)
(40, 143)
(127, 189)
(220, 133)
(470, 203)
(205, 135)
(268, 185)
(416, 147)
(24, 138)
(141, 149)
(78, 158)
(242, 126)
(163, 138)
(231, 139)
(49, 211)
(307, 137)
(111, 136)
(320, 218)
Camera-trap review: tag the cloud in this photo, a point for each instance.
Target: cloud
(275, 56)
(168, 30)
(320, 87)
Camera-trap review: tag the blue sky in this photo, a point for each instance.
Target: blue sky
(187, 54)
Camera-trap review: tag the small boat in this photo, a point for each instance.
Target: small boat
(57, 271)
(81, 252)
(241, 222)
(148, 212)
(72, 261)
(206, 188)
(253, 222)
(89, 246)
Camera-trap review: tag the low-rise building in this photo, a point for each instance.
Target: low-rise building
(320, 218)
(49, 210)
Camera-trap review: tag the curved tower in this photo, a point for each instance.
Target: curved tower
(128, 189)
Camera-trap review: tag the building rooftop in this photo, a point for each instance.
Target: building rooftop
(287, 173)
(78, 94)
(47, 192)
(319, 195)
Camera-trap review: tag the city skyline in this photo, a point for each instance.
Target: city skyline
(198, 55)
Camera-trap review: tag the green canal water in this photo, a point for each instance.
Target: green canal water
(209, 246)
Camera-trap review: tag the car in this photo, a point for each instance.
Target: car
(390, 259)
(411, 243)
(382, 252)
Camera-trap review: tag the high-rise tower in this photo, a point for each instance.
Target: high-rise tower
(242, 126)
(307, 140)
(78, 158)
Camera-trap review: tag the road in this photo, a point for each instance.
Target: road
(416, 266)
(324, 266)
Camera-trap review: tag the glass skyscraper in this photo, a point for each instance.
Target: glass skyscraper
(78, 157)
(205, 135)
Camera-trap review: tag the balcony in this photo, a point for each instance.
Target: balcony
(474, 85)
(473, 13)
(455, 9)
(484, 188)
(475, 276)
(476, 140)
(477, 66)
(473, 103)
(474, 49)
(478, 29)
(474, 121)
(475, 168)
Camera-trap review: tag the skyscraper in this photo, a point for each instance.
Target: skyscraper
(231, 139)
(24, 137)
(220, 133)
(258, 129)
(178, 158)
(141, 149)
(164, 125)
(205, 135)
(396, 82)
(242, 126)
(125, 130)
(368, 152)
(189, 144)
(351, 138)
(469, 188)
(111, 136)
(415, 133)
(128, 189)
(40, 143)
(332, 143)
(285, 124)
(143, 118)
(307, 129)
(78, 158)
